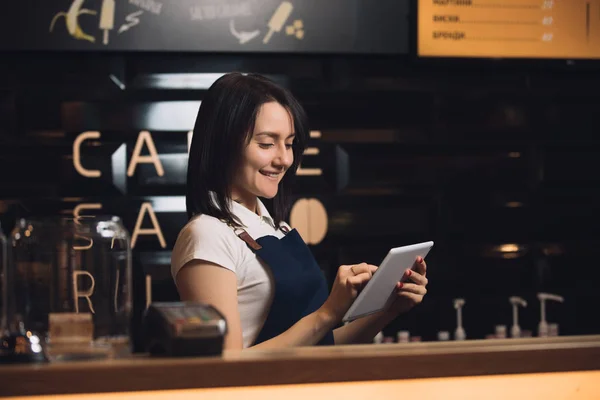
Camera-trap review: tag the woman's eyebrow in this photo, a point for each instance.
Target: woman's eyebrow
(274, 135)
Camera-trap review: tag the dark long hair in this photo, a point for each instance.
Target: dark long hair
(223, 128)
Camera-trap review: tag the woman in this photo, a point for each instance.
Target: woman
(248, 142)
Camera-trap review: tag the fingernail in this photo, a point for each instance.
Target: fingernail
(419, 259)
(408, 272)
(400, 284)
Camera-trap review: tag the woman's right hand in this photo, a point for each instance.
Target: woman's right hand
(350, 279)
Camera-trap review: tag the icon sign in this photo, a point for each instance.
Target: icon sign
(107, 18)
(296, 29)
(243, 37)
(132, 20)
(309, 217)
(72, 20)
(279, 19)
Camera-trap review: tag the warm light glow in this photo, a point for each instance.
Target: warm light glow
(311, 151)
(547, 386)
(309, 172)
(510, 248)
(506, 251)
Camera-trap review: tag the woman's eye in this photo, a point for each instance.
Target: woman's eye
(265, 145)
(288, 145)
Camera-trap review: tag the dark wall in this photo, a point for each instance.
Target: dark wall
(471, 155)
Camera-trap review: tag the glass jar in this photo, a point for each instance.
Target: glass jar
(71, 286)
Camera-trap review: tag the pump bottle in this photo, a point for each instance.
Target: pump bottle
(543, 325)
(515, 330)
(459, 333)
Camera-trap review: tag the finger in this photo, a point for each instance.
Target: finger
(362, 268)
(415, 277)
(360, 279)
(420, 266)
(411, 288)
(349, 270)
(415, 298)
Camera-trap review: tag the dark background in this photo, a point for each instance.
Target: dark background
(471, 154)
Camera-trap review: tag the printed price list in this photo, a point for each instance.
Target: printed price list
(509, 29)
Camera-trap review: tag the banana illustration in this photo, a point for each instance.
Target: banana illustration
(72, 20)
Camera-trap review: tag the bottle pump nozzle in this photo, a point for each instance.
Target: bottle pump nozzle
(515, 330)
(543, 325)
(459, 333)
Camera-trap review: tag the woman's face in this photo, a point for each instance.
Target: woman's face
(267, 156)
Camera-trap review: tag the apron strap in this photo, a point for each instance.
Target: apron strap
(249, 241)
(245, 236)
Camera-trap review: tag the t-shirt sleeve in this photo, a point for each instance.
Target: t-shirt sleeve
(207, 239)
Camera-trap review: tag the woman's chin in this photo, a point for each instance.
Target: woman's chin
(268, 194)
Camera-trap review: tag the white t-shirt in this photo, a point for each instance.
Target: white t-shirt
(206, 238)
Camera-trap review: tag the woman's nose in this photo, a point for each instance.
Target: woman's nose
(285, 157)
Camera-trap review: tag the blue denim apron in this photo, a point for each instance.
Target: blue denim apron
(299, 285)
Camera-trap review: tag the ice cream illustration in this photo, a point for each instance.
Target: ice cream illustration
(107, 18)
(278, 19)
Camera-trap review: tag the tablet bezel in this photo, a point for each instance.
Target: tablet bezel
(390, 271)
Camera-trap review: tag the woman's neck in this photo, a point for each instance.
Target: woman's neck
(250, 202)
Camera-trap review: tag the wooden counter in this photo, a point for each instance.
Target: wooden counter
(358, 363)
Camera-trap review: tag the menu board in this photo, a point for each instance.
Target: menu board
(248, 26)
(561, 29)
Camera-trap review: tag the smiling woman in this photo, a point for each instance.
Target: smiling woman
(267, 157)
(248, 141)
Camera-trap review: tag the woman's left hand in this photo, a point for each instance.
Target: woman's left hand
(412, 289)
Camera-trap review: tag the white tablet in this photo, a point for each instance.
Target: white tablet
(379, 292)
